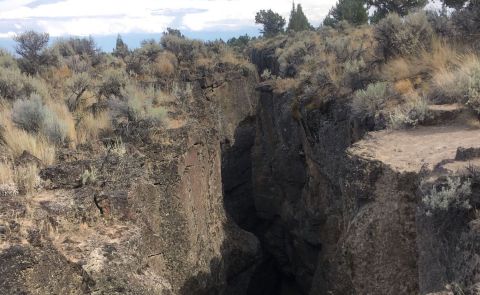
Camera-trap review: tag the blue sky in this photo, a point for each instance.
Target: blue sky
(136, 20)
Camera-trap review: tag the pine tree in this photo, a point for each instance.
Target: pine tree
(298, 20)
(400, 7)
(121, 49)
(353, 11)
(272, 22)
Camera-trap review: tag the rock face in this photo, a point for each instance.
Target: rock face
(152, 219)
(344, 215)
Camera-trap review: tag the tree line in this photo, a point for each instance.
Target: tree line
(355, 12)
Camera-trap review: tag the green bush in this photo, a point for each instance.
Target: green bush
(409, 115)
(35, 117)
(367, 102)
(473, 89)
(54, 128)
(452, 194)
(135, 106)
(185, 50)
(77, 85)
(29, 114)
(113, 82)
(403, 37)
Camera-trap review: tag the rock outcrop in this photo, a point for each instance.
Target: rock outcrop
(141, 215)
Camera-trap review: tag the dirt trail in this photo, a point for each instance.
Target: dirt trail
(408, 150)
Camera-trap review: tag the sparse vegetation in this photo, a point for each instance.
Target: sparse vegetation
(369, 101)
(407, 36)
(454, 193)
(89, 176)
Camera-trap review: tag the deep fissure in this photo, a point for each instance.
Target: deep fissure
(268, 276)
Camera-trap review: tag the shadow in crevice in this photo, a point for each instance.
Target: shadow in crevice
(246, 266)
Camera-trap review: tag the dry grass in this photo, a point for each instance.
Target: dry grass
(27, 179)
(64, 115)
(6, 173)
(284, 85)
(403, 86)
(90, 127)
(203, 62)
(16, 141)
(165, 64)
(397, 69)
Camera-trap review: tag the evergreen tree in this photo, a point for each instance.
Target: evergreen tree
(121, 49)
(353, 11)
(298, 20)
(454, 3)
(272, 22)
(401, 7)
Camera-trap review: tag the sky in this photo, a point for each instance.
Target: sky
(136, 20)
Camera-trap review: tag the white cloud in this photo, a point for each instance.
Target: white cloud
(106, 17)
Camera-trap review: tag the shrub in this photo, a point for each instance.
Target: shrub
(410, 114)
(31, 47)
(91, 125)
(27, 179)
(33, 116)
(266, 75)
(78, 84)
(16, 141)
(89, 176)
(184, 49)
(367, 102)
(54, 128)
(7, 60)
(113, 82)
(403, 37)
(6, 173)
(12, 83)
(7, 181)
(452, 194)
(164, 65)
(473, 89)
(135, 106)
(460, 85)
(29, 114)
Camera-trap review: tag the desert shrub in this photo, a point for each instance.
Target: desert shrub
(454, 193)
(32, 47)
(7, 60)
(77, 85)
(459, 85)
(473, 88)
(185, 50)
(33, 116)
(266, 74)
(7, 181)
(164, 65)
(292, 56)
(113, 82)
(403, 37)
(367, 102)
(12, 83)
(29, 114)
(89, 176)
(27, 178)
(135, 106)
(90, 126)
(15, 141)
(410, 114)
(54, 128)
